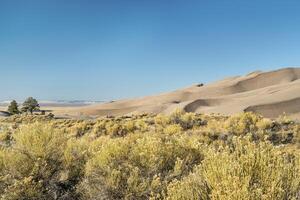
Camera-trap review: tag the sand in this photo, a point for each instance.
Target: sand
(268, 93)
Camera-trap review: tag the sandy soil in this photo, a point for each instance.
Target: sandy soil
(268, 93)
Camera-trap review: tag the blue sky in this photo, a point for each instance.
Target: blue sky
(111, 49)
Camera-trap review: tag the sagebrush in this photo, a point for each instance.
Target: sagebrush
(180, 156)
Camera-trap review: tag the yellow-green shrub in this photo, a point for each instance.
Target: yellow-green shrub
(172, 129)
(242, 123)
(251, 171)
(33, 162)
(133, 167)
(191, 187)
(177, 156)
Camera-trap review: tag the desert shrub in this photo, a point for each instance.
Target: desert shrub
(103, 171)
(75, 156)
(5, 136)
(26, 119)
(175, 116)
(215, 127)
(115, 129)
(80, 128)
(264, 124)
(188, 120)
(141, 125)
(23, 189)
(172, 129)
(34, 162)
(130, 126)
(121, 127)
(296, 135)
(190, 187)
(162, 120)
(251, 171)
(284, 119)
(99, 128)
(177, 156)
(137, 167)
(242, 124)
(180, 117)
(244, 171)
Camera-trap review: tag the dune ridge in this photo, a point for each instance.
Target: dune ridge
(268, 93)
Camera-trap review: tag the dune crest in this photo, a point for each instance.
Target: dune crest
(268, 93)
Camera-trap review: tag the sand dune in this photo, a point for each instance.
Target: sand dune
(268, 93)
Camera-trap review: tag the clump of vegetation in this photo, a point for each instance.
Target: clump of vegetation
(30, 105)
(179, 156)
(13, 108)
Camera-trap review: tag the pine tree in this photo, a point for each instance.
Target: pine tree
(30, 105)
(13, 108)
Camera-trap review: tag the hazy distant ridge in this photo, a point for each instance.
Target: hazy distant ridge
(58, 102)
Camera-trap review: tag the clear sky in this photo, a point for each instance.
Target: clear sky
(110, 49)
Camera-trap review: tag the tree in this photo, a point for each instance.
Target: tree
(13, 108)
(30, 105)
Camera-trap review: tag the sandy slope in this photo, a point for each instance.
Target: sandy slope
(269, 93)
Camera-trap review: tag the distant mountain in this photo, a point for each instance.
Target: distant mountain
(58, 103)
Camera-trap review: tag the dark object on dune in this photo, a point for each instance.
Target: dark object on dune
(200, 85)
